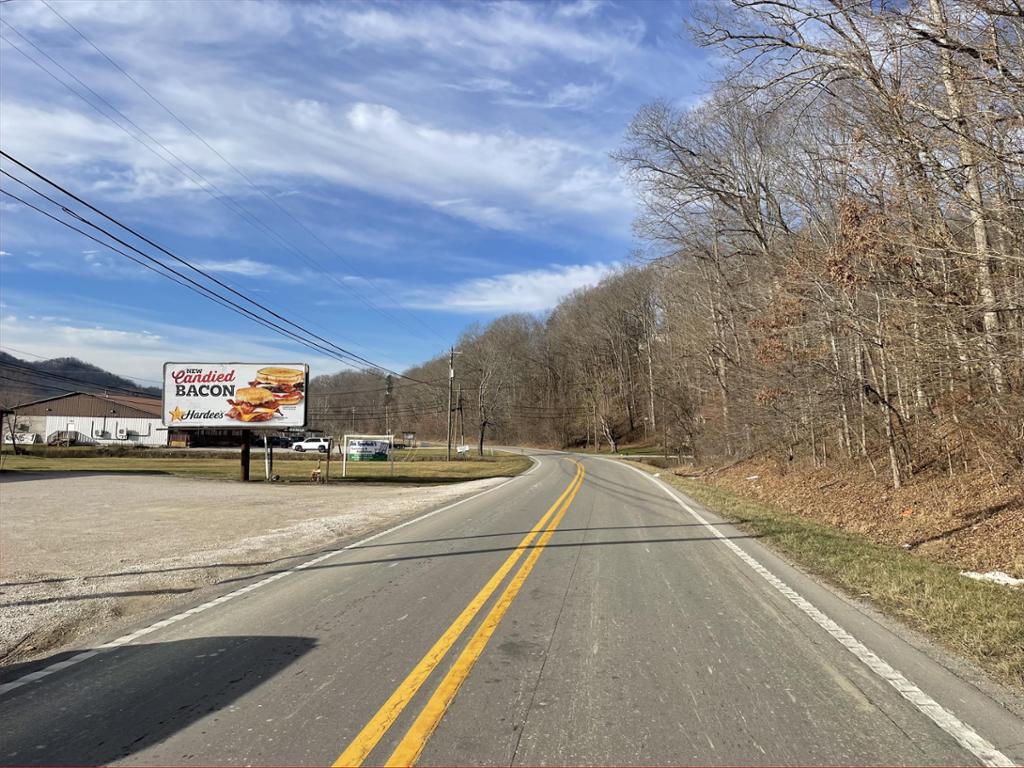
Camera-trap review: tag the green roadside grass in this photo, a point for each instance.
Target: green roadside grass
(984, 622)
(419, 470)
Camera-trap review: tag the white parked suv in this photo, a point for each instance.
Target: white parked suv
(321, 444)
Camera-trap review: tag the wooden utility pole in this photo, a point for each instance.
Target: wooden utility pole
(451, 378)
(462, 419)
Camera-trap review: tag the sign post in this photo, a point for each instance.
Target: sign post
(246, 446)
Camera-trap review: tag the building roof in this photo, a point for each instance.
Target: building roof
(88, 404)
(153, 405)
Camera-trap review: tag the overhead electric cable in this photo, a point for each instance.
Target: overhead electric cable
(341, 350)
(237, 208)
(185, 280)
(227, 162)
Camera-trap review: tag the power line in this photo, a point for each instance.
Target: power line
(221, 197)
(211, 293)
(185, 281)
(197, 178)
(160, 248)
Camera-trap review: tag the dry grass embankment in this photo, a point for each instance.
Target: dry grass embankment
(839, 535)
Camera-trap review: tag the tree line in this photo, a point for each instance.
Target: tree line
(833, 265)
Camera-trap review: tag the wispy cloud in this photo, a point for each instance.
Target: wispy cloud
(578, 9)
(568, 95)
(246, 267)
(499, 36)
(534, 290)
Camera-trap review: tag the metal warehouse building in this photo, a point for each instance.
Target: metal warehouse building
(91, 419)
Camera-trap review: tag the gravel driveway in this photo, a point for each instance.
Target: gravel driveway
(84, 555)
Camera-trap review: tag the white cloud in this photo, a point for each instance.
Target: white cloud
(569, 96)
(578, 9)
(500, 36)
(530, 291)
(246, 267)
(504, 178)
(291, 129)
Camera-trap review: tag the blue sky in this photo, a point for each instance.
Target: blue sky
(453, 158)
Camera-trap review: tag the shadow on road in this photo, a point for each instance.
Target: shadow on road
(125, 700)
(535, 545)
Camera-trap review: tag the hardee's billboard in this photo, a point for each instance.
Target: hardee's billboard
(233, 395)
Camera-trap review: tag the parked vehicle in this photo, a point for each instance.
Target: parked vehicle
(321, 444)
(281, 441)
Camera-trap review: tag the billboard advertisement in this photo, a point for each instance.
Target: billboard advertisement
(368, 450)
(235, 395)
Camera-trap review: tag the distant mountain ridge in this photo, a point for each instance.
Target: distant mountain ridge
(23, 380)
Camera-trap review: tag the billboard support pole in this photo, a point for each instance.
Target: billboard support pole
(246, 446)
(266, 456)
(327, 469)
(344, 456)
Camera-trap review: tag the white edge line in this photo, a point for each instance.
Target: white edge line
(964, 734)
(133, 636)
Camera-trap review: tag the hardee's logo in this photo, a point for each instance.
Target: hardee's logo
(179, 415)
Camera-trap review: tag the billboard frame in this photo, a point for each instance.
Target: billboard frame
(248, 426)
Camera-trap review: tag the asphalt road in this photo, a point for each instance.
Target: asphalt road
(578, 614)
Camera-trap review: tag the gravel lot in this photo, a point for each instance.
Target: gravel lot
(84, 555)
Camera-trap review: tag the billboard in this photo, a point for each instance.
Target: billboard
(368, 450)
(235, 395)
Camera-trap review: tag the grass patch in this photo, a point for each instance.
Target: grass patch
(624, 450)
(225, 467)
(984, 622)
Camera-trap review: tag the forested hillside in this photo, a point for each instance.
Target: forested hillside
(835, 260)
(23, 380)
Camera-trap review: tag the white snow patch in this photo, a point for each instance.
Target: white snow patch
(997, 577)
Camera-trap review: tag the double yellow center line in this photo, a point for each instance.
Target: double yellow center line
(408, 750)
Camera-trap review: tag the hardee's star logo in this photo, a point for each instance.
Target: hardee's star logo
(177, 414)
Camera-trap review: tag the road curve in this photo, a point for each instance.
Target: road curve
(581, 613)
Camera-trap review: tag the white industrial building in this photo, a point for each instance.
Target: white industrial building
(88, 419)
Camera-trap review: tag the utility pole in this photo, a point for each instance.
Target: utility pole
(451, 378)
(462, 419)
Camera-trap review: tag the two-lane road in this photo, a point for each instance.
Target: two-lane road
(579, 614)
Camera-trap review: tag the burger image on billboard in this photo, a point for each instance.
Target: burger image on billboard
(253, 404)
(285, 384)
